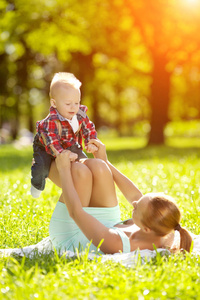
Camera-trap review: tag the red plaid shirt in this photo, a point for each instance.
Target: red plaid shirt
(49, 133)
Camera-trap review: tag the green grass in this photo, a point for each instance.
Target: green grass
(174, 169)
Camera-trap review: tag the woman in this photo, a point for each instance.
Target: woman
(88, 210)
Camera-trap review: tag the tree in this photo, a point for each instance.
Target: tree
(123, 51)
(30, 42)
(165, 27)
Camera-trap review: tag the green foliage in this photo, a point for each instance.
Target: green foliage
(182, 129)
(111, 46)
(24, 221)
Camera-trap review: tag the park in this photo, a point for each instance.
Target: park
(138, 63)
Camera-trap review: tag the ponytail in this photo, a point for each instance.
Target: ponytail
(185, 239)
(162, 215)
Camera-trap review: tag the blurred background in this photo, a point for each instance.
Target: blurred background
(138, 61)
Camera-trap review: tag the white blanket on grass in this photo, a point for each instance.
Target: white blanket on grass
(127, 259)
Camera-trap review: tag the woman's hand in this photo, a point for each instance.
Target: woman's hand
(91, 148)
(101, 152)
(63, 160)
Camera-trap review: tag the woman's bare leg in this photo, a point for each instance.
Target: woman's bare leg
(100, 188)
(54, 175)
(103, 188)
(82, 178)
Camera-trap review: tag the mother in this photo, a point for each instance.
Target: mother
(88, 210)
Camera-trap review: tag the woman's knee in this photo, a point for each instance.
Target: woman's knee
(98, 167)
(81, 172)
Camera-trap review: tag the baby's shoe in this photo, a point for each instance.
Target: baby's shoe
(35, 193)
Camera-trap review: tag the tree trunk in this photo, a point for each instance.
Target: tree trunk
(31, 128)
(85, 72)
(15, 122)
(160, 97)
(3, 88)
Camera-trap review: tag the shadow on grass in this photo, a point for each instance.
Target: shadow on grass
(151, 152)
(11, 158)
(45, 262)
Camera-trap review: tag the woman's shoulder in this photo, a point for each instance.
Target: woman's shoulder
(131, 238)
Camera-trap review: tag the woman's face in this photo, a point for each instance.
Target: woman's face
(139, 210)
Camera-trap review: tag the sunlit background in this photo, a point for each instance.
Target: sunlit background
(138, 61)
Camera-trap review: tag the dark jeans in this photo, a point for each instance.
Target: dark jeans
(40, 168)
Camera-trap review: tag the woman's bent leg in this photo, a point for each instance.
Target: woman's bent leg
(54, 175)
(98, 185)
(82, 178)
(103, 188)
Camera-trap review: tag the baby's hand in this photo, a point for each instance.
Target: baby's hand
(101, 153)
(91, 148)
(64, 159)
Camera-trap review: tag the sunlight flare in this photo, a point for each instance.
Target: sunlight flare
(192, 2)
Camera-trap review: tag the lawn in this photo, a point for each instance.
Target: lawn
(174, 169)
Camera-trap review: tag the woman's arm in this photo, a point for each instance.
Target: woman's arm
(91, 227)
(126, 186)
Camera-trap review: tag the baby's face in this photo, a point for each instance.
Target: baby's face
(67, 101)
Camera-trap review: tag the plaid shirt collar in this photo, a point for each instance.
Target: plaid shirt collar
(61, 118)
(55, 115)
